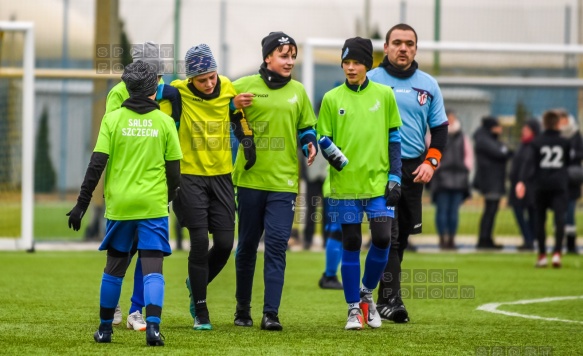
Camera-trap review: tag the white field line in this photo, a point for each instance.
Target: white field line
(493, 308)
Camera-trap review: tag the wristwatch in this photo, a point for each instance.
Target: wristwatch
(433, 161)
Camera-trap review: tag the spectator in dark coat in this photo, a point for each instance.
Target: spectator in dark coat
(491, 157)
(524, 208)
(450, 185)
(570, 130)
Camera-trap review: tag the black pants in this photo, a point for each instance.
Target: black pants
(407, 222)
(557, 201)
(487, 221)
(206, 204)
(313, 199)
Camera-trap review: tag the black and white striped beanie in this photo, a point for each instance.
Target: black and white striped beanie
(140, 79)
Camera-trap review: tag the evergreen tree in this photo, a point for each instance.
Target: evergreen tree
(126, 57)
(44, 172)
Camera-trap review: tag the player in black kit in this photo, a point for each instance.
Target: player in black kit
(547, 164)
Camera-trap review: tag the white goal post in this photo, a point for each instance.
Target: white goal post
(25, 241)
(311, 44)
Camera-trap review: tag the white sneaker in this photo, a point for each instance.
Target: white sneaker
(117, 316)
(354, 321)
(541, 262)
(136, 321)
(557, 260)
(369, 310)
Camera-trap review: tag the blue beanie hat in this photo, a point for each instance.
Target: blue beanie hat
(199, 60)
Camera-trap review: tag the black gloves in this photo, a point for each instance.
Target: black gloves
(75, 216)
(249, 150)
(244, 134)
(335, 159)
(336, 162)
(392, 193)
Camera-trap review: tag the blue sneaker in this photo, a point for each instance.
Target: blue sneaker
(153, 335)
(192, 309)
(103, 334)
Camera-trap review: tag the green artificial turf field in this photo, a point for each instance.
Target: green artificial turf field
(50, 305)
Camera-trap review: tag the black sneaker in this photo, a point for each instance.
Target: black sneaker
(153, 335)
(394, 311)
(243, 317)
(271, 322)
(330, 282)
(103, 334)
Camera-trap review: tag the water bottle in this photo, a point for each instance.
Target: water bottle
(332, 150)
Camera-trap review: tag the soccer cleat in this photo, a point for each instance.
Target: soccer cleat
(202, 323)
(117, 316)
(153, 335)
(369, 311)
(541, 262)
(271, 322)
(192, 309)
(394, 311)
(136, 321)
(103, 334)
(330, 282)
(243, 317)
(355, 320)
(556, 260)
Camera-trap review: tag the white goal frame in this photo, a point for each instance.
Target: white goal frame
(26, 240)
(308, 64)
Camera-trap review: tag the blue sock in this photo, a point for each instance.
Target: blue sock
(351, 275)
(376, 260)
(110, 292)
(138, 295)
(153, 319)
(154, 293)
(333, 256)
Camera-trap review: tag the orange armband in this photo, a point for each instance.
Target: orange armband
(433, 157)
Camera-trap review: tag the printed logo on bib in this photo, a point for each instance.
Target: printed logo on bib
(376, 106)
(293, 100)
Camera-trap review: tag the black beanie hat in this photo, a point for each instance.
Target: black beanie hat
(274, 40)
(489, 122)
(534, 125)
(140, 79)
(359, 49)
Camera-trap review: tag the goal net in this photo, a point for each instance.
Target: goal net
(17, 130)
